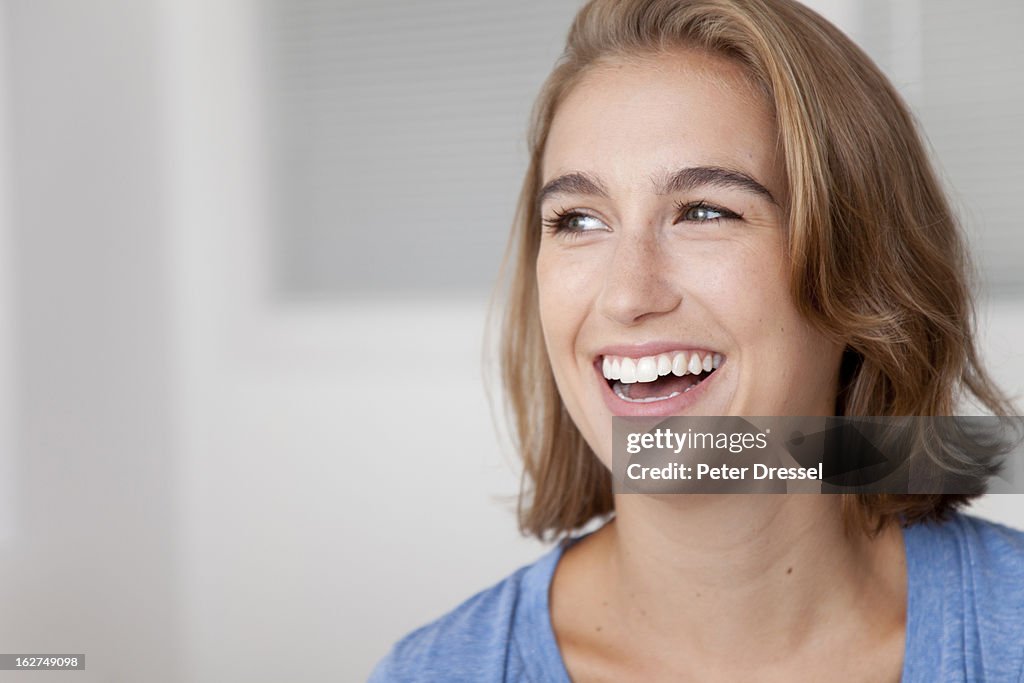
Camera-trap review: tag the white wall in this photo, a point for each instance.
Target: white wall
(7, 354)
(91, 563)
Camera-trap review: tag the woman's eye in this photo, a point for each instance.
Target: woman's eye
(702, 212)
(580, 222)
(573, 222)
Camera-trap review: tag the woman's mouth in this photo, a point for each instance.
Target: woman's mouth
(661, 377)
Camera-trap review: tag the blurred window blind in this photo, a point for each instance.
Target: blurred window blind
(961, 67)
(397, 138)
(397, 130)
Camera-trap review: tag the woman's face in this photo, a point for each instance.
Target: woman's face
(662, 271)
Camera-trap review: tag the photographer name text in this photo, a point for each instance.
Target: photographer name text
(678, 471)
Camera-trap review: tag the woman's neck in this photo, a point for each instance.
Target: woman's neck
(742, 578)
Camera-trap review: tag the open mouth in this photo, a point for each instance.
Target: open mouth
(658, 378)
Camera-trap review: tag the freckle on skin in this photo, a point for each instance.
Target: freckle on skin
(598, 628)
(789, 571)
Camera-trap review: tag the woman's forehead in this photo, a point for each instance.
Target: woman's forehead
(631, 121)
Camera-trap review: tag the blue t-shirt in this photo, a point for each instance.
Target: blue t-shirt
(965, 617)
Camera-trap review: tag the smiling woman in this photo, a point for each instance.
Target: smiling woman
(728, 212)
(645, 261)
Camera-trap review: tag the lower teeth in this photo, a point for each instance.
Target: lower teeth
(650, 399)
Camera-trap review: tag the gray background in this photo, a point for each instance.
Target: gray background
(245, 249)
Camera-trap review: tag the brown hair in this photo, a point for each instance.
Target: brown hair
(877, 259)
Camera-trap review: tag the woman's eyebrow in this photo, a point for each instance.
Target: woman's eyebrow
(681, 181)
(572, 183)
(698, 176)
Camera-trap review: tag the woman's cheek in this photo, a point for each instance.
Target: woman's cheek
(559, 289)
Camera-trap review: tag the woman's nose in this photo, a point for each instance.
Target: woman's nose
(638, 282)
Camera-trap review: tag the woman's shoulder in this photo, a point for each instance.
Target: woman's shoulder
(482, 638)
(983, 559)
(967, 593)
(986, 551)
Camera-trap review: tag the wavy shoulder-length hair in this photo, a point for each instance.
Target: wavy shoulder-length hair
(876, 256)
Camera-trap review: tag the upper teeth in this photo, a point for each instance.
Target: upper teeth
(649, 368)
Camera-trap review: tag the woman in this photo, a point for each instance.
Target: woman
(731, 185)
